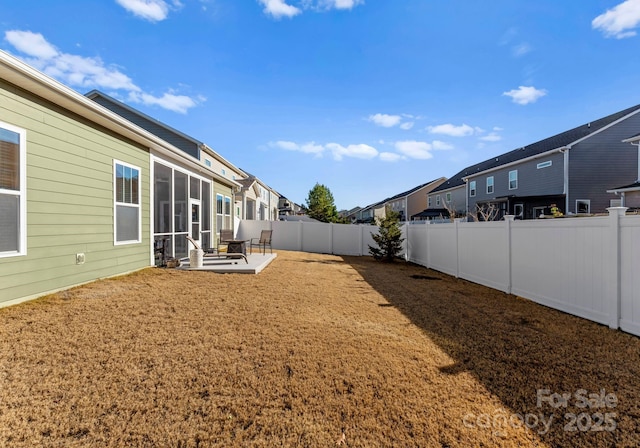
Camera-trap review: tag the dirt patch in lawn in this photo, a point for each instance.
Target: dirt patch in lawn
(317, 350)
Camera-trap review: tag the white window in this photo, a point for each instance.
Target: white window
(583, 206)
(219, 212)
(437, 200)
(448, 198)
(544, 164)
(13, 216)
(513, 180)
(472, 188)
(428, 201)
(224, 172)
(126, 191)
(207, 162)
(490, 185)
(227, 213)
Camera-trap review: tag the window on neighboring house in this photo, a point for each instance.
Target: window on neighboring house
(513, 180)
(13, 240)
(472, 188)
(437, 200)
(428, 201)
(219, 212)
(207, 162)
(227, 213)
(490, 185)
(224, 172)
(544, 164)
(128, 219)
(583, 206)
(448, 198)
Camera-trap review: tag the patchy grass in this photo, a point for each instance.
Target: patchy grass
(317, 350)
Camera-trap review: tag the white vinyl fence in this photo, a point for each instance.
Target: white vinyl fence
(588, 267)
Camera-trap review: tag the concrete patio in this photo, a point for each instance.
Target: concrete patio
(256, 263)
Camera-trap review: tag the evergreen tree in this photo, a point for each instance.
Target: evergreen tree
(389, 239)
(320, 204)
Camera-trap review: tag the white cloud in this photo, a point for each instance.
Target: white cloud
(525, 95)
(521, 49)
(88, 72)
(406, 126)
(151, 10)
(360, 151)
(384, 120)
(619, 21)
(32, 44)
(279, 8)
(441, 146)
(414, 149)
(282, 144)
(169, 101)
(498, 128)
(491, 137)
(345, 4)
(452, 130)
(390, 156)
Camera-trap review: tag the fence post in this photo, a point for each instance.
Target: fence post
(300, 237)
(508, 220)
(426, 235)
(614, 291)
(456, 223)
(361, 245)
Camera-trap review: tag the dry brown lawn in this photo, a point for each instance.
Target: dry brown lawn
(315, 351)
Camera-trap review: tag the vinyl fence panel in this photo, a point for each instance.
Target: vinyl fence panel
(630, 274)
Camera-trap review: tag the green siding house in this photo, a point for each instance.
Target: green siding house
(76, 186)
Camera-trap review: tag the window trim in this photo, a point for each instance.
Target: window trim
(492, 185)
(21, 193)
(438, 202)
(545, 164)
(138, 206)
(586, 201)
(447, 198)
(429, 201)
(472, 188)
(516, 180)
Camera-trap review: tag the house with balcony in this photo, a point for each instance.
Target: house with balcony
(287, 207)
(446, 200)
(411, 202)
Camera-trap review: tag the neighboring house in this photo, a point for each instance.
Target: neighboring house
(572, 170)
(257, 201)
(220, 201)
(287, 207)
(446, 199)
(352, 215)
(630, 194)
(411, 202)
(82, 189)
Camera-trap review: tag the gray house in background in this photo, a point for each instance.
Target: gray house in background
(573, 170)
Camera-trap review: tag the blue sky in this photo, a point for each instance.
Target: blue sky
(368, 97)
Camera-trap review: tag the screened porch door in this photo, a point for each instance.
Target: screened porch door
(195, 220)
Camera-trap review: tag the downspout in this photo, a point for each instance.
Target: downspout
(565, 152)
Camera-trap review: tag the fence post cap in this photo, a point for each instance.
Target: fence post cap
(620, 211)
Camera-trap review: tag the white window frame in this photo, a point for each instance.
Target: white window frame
(447, 198)
(546, 164)
(428, 201)
(490, 184)
(226, 211)
(438, 200)
(21, 193)
(126, 204)
(207, 162)
(472, 189)
(513, 180)
(586, 201)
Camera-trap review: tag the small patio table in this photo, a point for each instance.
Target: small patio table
(236, 246)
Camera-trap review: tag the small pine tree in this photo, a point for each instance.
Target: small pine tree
(389, 239)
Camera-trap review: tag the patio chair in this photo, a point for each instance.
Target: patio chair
(208, 253)
(225, 235)
(262, 242)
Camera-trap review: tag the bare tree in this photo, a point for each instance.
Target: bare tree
(485, 212)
